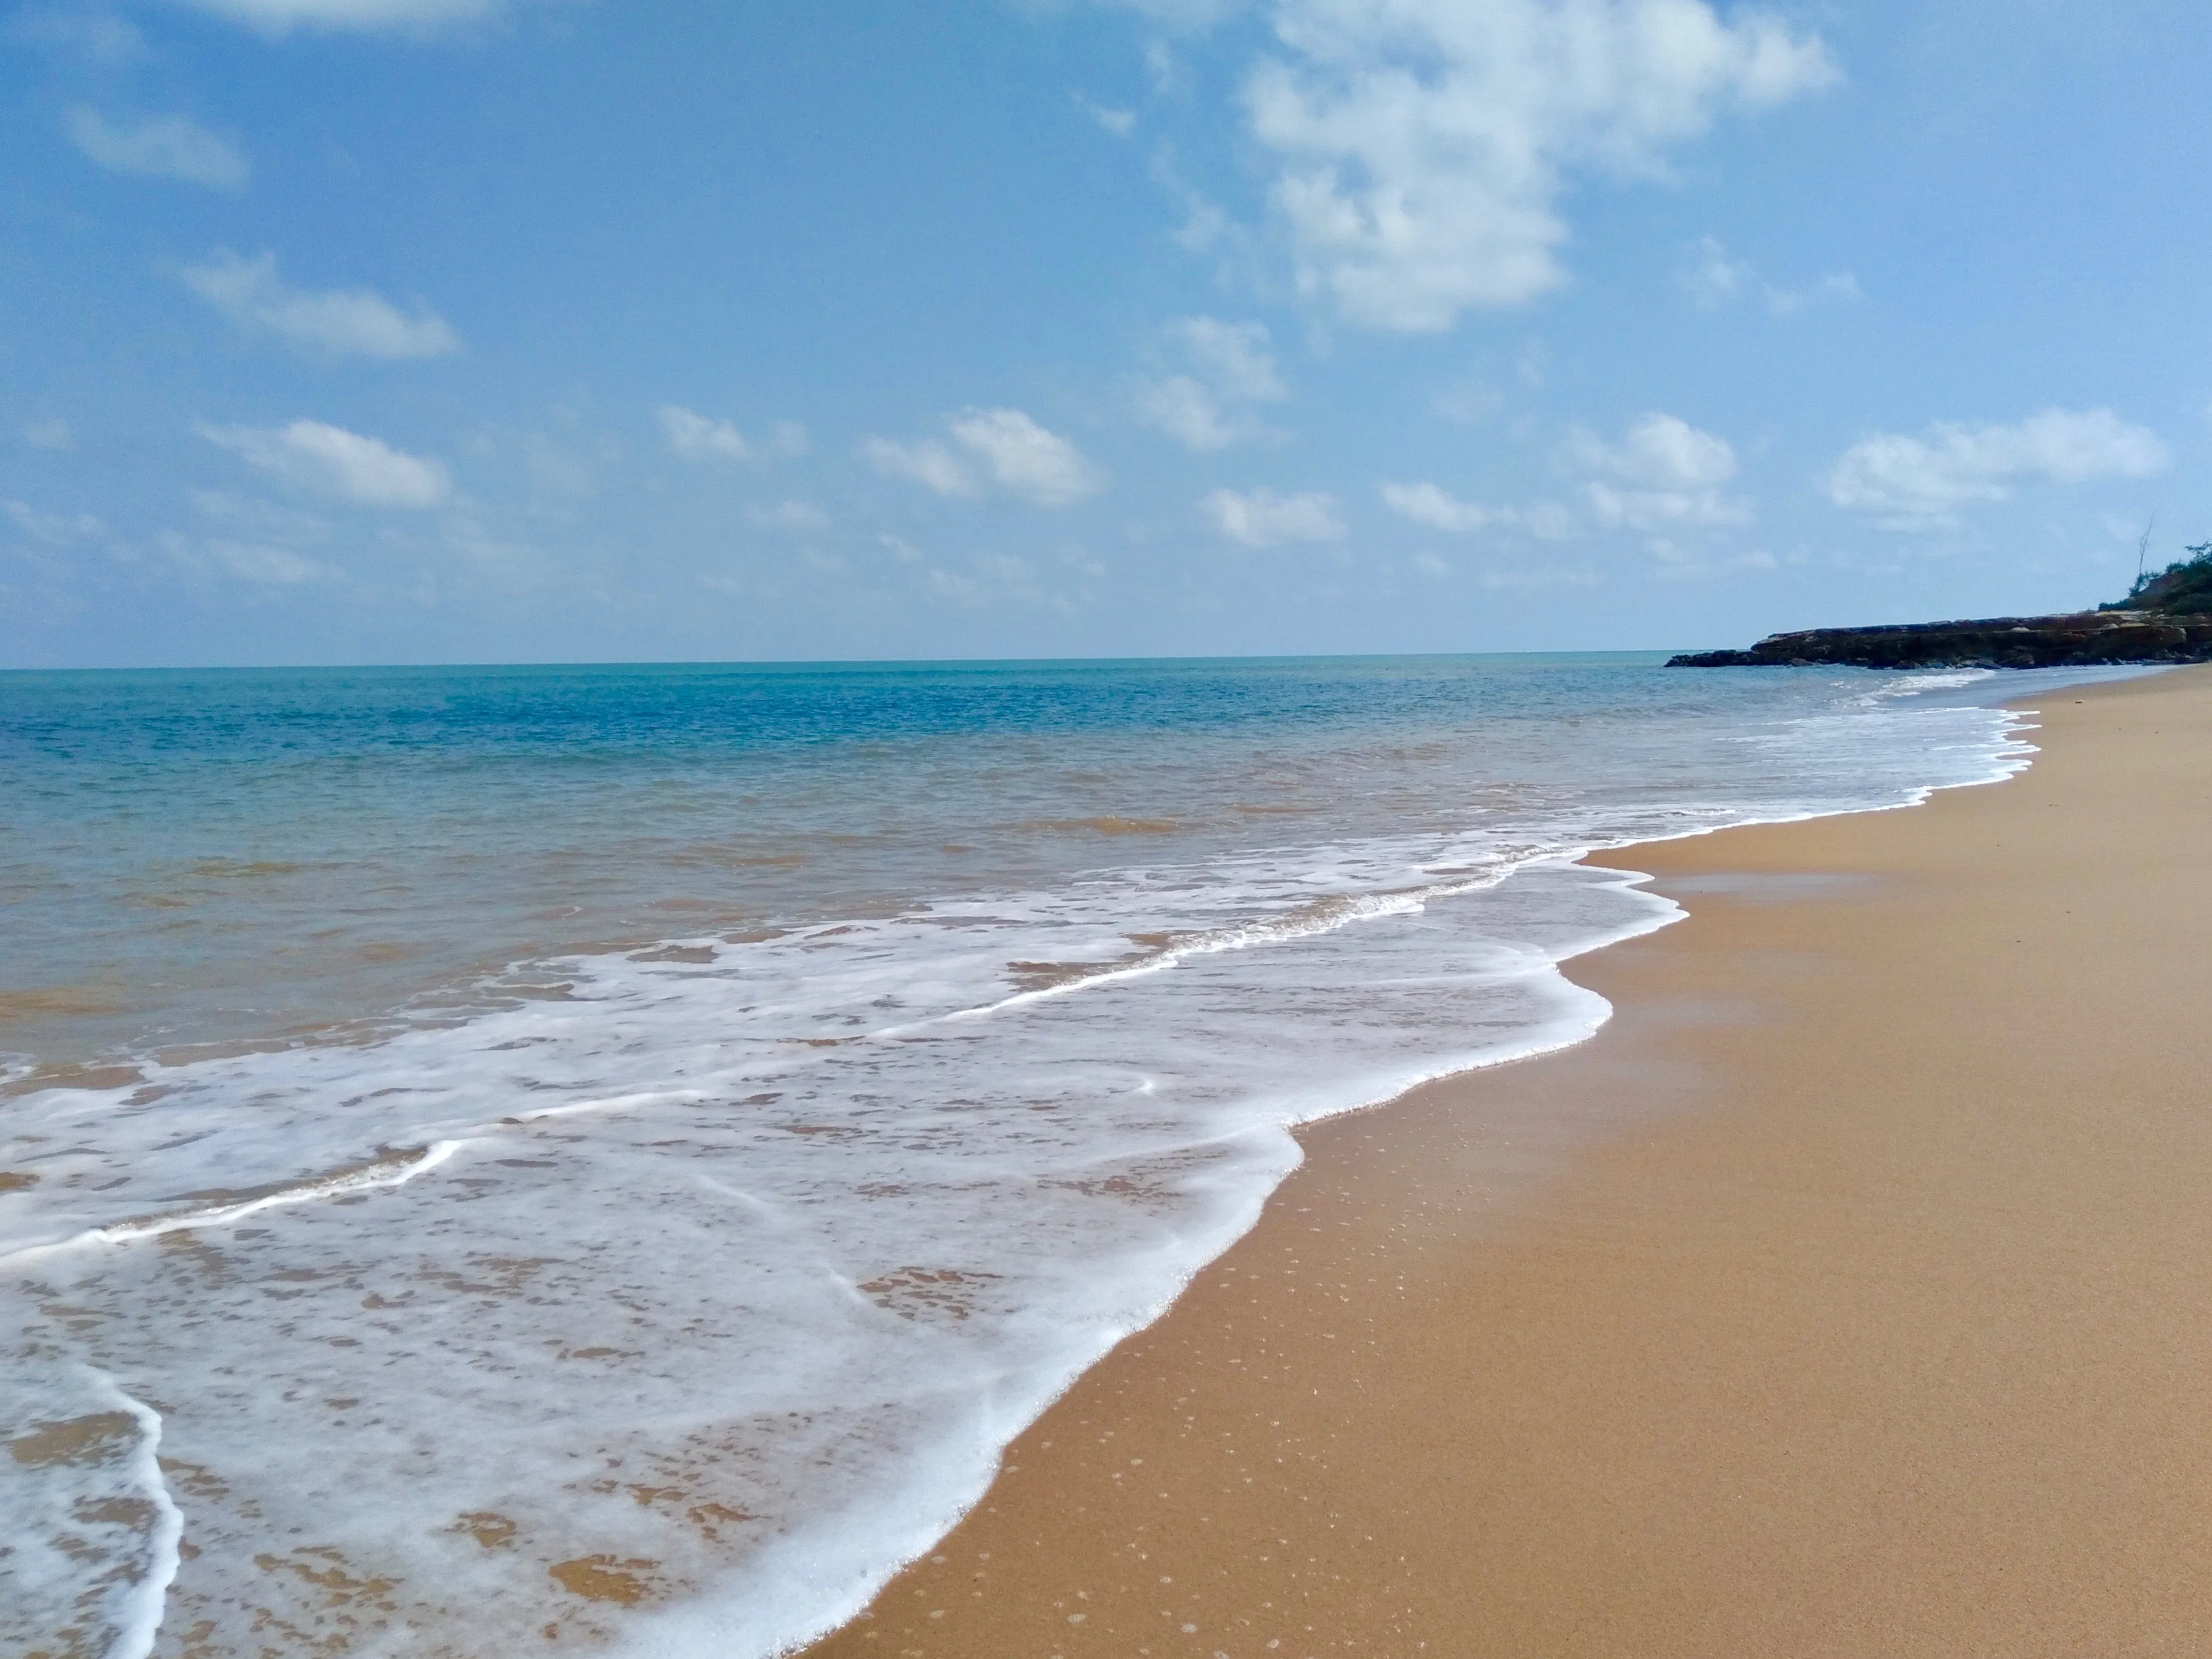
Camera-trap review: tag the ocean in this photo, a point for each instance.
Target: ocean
(613, 1154)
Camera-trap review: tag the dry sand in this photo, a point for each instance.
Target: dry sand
(1850, 1293)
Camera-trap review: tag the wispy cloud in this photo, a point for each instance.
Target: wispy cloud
(54, 529)
(1914, 483)
(1713, 279)
(159, 146)
(1260, 518)
(1424, 144)
(52, 434)
(1431, 505)
(281, 17)
(1119, 122)
(329, 460)
(998, 449)
(336, 322)
(699, 437)
(794, 517)
(96, 37)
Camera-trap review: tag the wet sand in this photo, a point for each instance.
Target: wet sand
(1850, 1294)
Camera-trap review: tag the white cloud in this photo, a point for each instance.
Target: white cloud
(1263, 519)
(928, 464)
(698, 437)
(407, 16)
(1714, 279)
(1179, 406)
(1429, 504)
(1003, 447)
(794, 516)
(1664, 472)
(1425, 143)
(1235, 357)
(1025, 459)
(1837, 288)
(250, 515)
(54, 434)
(54, 529)
(1119, 122)
(338, 321)
(159, 146)
(329, 460)
(1232, 369)
(1921, 483)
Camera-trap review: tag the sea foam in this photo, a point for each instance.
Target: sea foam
(672, 1308)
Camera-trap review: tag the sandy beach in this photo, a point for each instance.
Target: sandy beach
(1850, 1293)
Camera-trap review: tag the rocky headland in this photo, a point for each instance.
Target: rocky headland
(2166, 618)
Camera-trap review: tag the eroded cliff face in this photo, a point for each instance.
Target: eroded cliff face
(2088, 636)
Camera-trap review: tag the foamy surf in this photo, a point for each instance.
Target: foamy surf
(672, 1313)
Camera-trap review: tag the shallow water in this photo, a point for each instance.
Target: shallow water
(617, 1153)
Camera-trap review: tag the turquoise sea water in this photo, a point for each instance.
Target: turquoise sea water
(443, 1106)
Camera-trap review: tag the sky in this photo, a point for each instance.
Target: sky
(516, 330)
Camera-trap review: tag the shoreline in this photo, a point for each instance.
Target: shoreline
(1606, 1351)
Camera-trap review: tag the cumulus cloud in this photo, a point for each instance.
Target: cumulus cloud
(1000, 448)
(1025, 459)
(336, 321)
(1424, 145)
(1907, 484)
(281, 17)
(1664, 472)
(1261, 517)
(329, 460)
(159, 146)
(1231, 369)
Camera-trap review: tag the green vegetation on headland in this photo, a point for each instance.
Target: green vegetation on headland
(2183, 588)
(2165, 617)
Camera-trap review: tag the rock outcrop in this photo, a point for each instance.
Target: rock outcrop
(2067, 642)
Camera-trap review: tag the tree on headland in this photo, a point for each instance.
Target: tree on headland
(2184, 587)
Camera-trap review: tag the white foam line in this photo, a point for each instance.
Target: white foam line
(611, 1104)
(222, 1214)
(1361, 907)
(151, 1595)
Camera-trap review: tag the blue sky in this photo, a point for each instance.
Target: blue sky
(360, 331)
